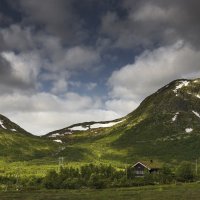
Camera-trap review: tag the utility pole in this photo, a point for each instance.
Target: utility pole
(60, 162)
(196, 167)
(126, 170)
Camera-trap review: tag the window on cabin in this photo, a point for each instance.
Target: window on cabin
(139, 172)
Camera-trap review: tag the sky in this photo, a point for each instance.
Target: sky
(70, 61)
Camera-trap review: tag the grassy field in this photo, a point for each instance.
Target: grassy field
(167, 192)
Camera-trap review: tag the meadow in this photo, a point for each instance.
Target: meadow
(166, 192)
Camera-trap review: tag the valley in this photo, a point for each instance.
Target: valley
(165, 128)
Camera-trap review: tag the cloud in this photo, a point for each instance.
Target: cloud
(18, 72)
(57, 17)
(54, 55)
(43, 112)
(153, 69)
(79, 58)
(51, 49)
(150, 12)
(121, 106)
(14, 37)
(5, 68)
(91, 86)
(59, 86)
(32, 59)
(4, 20)
(45, 102)
(45, 122)
(147, 23)
(25, 67)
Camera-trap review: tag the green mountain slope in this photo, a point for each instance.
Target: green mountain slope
(167, 124)
(165, 127)
(18, 144)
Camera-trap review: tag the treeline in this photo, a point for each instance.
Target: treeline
(100, 176)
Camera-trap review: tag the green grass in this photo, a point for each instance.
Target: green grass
(20, 147)
(167, 192)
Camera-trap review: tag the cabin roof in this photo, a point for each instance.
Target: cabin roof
(148, 165)
(141, 164)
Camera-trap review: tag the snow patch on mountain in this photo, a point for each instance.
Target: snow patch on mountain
(198, 96)
(59, 141)
(54, 135)
(196, 113)
(67, 133)
(188, 130)
(181, 84)
(105, 125)
(175, 117)
(79, 128)
(1, 123)
(94, 126)
(196, 81)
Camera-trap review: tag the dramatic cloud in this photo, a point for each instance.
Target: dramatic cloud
(24, 67)
(29, 57)
(64, 62)
(58, 17)
(17, 38)
(149, 22)
(153, 13)
(14, 73)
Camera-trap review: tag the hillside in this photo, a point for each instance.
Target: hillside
(18, 144)
(7, 125)
(165, 127)
(80, 128)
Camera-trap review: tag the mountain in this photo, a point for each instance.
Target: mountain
(165, 127)
(7, 125)
(18, 144)
(82, 127)
(167, 124)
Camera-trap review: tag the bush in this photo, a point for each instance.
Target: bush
(166, 175)
(51, 180)
(185, 172)
(96, 181)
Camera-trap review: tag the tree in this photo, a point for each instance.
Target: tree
(185, 172)
(166, 176)
(51, 180)
(130, 172)
(97, 181)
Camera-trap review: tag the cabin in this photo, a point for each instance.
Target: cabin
(141, 168)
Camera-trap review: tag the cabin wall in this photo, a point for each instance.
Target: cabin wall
(139, 170)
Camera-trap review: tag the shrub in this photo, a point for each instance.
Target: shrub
(185, 172)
